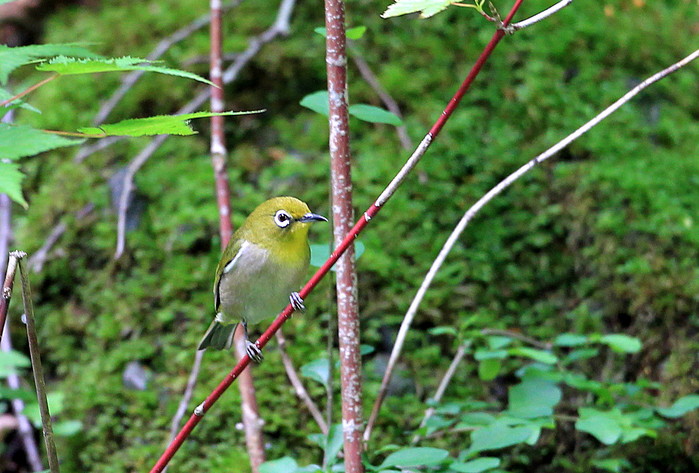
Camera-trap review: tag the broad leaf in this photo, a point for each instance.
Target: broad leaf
(621, 343)
(158, 125)
(427, 8)
(533, 397)
(417, 456)
(317, 101)
(17, 141)
(352, 33)
(11, 182)
(489, 369)
(318, 370)
(11, 361)
(281, 465)
(70, 66)
(603, 425)
(680, 407)
(476, 466)
(541, 356)
(12, 58)
(497, 436)
(570, 340)
(369, 113)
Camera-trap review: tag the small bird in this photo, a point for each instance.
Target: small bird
(265, 261)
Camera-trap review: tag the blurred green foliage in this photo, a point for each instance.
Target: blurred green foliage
(601, 239)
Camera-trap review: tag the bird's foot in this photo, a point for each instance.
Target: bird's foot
(297, 302)
(254, 352)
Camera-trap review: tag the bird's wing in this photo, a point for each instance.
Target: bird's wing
(231, 256)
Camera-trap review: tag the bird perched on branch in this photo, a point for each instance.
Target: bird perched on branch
(264, 263)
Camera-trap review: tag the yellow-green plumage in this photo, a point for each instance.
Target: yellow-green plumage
(265, 260)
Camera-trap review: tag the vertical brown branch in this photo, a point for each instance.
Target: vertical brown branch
(343, 217)
(7, 288)
(37, 369)
(250, 412)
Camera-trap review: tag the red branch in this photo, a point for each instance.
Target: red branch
(343, 216)
(341, 248)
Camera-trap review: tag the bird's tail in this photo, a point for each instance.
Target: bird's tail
(218, 336)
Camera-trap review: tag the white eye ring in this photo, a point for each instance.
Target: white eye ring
(282, 219)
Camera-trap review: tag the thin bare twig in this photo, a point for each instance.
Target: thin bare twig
(446, 379)
(24, 427)
(299, 388)
(279, 28)
(538, 17)
(518, 336)
(37, 369)
(30, 89)
(7, 287)
(385, 97)
(187, 396)
(471, 212)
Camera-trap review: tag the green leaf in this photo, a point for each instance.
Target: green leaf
(533, 397)
(495, 342)
(352, 33)
(475, 419)
(67, 428)
(158, 125)
(615, 465)
(17, 103)
(490, 354)
(318, 370)
(56, 402)
(17, 141)
(320, 252)
(71, 66)
(9, 393)
(281, 465)
(334, 442)
(603, 425)
(621, 343)
(488, 369)
(570, 340)
(443, 330)
(12, 58)
(416, 456)
(541, 356)
(497, 436)
(11, 182)
(12, 361)
(369, 113)
(680, 407)
(476, 466)
(580, 354)
(317, 101)
(427, 8)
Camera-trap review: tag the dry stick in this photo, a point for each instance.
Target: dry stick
(26, 431)
(187, 396)
(343, 216)
(5, 213)
(471, 212)
(370, 213)
(460, 352)
(385, 97)
(538, 17)
(279, 28)
(299, 388)
(252, 423)
(7, 288)
(518, 336)
(37, 370)
(412, 161)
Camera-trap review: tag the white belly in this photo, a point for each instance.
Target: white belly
(255, 287)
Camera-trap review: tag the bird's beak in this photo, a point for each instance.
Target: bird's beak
(311, 217)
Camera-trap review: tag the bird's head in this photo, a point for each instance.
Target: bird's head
(280, 221)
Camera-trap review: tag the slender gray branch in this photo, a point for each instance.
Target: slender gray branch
(187, 396)
(490, 195)
(538, 17)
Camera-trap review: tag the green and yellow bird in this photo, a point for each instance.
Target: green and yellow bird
(264, 263)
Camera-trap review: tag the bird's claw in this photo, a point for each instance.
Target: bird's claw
(254, 352)
(297, 302)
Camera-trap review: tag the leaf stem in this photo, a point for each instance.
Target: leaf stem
(30, 89)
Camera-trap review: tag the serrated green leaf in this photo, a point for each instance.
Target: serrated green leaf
(488, 369)
(158, 125)
(542, 356)
(621, 343)
(533, 397)
(12, 58)
(71, 66)
(320, 252)
(317, 101)
(318, 370)
(18, 141)
(369, 113)
(476, 466)
(427, 8)
(680, 407)
(11, 182)
(570, 340)
(416, 456)
(603, 425)
(281, 465)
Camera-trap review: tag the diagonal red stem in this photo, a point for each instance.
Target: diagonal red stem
(351, 236)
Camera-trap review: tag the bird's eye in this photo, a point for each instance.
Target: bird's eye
(282, 219)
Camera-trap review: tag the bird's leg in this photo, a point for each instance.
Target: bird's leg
(251, 349)
(297, 302)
